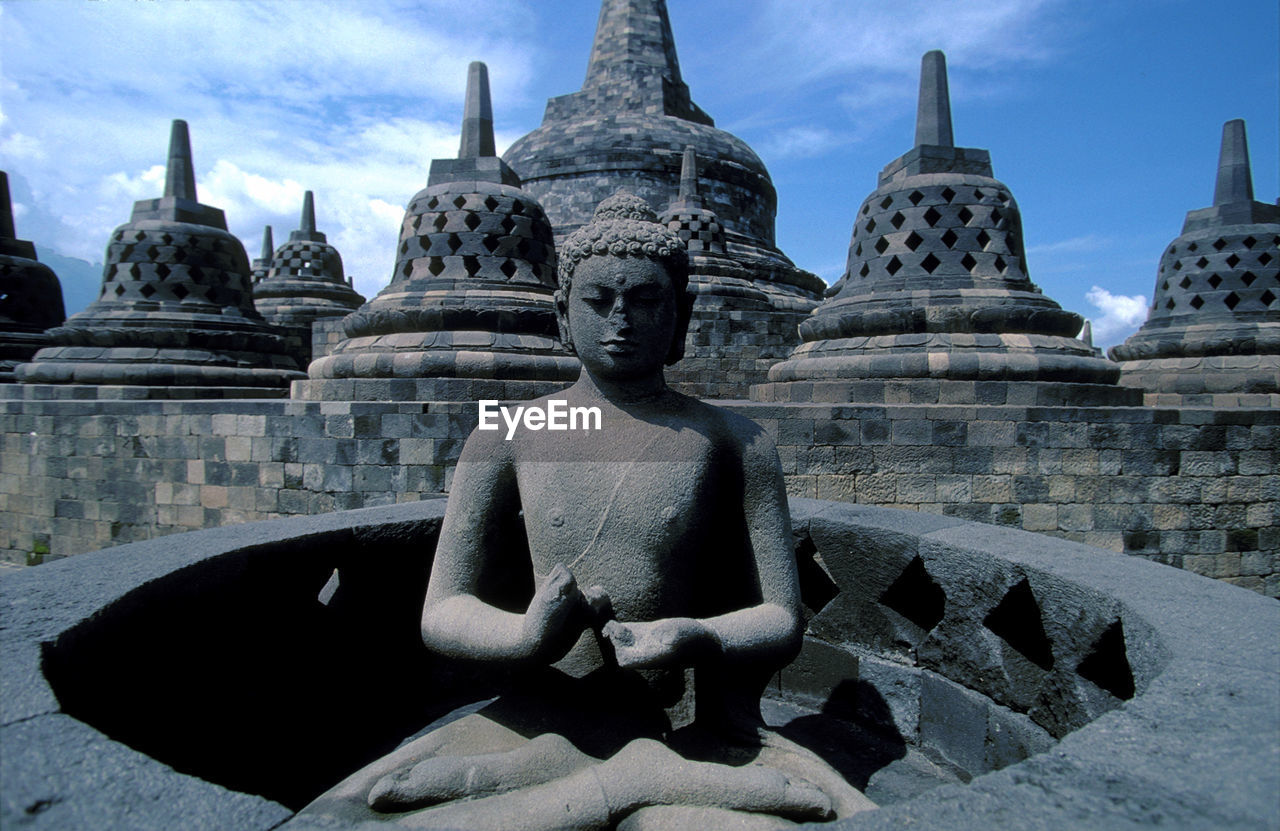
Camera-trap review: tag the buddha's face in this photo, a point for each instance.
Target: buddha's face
(622, 316)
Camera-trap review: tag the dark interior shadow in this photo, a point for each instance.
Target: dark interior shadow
(853, 732)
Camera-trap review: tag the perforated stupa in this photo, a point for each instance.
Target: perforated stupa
(30, 294)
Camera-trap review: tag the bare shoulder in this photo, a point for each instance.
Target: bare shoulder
(728, 429)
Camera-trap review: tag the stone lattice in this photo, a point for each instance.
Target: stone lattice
(306, 280)
(936, 292)
(30, 294)
(468, 312)
(1213, 333)
(175, 316)
(628, 129)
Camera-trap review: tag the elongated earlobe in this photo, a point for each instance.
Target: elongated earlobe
(684, 310)
(562, 321)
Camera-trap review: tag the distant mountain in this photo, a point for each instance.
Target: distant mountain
(81, 280)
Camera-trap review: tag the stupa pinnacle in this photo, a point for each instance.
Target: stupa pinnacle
(468, 313)
(175, 318)
(1213, 333)
(935, 303)
(30, 294)
(262, 263)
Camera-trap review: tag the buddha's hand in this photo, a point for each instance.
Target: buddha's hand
(558, 614)
(658, 643)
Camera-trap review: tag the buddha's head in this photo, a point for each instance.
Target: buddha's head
(623, 303)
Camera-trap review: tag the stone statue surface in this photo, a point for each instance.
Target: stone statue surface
(665, 593)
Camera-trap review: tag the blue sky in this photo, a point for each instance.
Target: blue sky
(1104, 118)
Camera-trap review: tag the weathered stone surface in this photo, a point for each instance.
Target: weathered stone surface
(470, 297)
(30, 294)
(176, 310)
(262, 263)
(1213, 333)
(936, 289)
(630, 127)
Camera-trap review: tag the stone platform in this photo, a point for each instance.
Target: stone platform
(1053, 686)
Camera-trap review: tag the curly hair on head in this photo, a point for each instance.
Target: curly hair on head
(625, 226)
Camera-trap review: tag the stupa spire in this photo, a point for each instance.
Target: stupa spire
(307, 224)
(477, 115)
(689, 175)
(933, 111)
(180, 174)
(268, 244)
(7, 230)
(1235, 181)
(632, 36)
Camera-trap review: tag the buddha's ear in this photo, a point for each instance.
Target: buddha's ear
(684, 310)
(562, 320)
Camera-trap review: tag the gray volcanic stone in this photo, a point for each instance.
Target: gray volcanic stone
(1213, 332)
(936, 286)
(30, 294)
(305, 281)
(629, 126)
(262, 263)
(470, 297)
(176, 310)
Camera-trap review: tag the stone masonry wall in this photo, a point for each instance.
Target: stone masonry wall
(1193, 488)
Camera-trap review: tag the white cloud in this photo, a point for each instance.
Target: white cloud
(1121, 315)
(800, 141)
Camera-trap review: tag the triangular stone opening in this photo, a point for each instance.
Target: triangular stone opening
(916, 596)
(1016, 619)
(817, 588)
(1107, 663)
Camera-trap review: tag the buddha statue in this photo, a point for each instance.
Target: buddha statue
(665, 592)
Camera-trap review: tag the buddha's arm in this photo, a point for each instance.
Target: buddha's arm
(766, 634)
(455, 621)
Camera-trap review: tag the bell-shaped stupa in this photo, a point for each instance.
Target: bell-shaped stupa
(1212, 336)
(175, 317)
(30, 294)
(935, 304)
(261, 265)
(305, 282)
(628, 128)
(469, 311)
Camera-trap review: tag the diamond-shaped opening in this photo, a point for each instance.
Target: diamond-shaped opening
(1202, 262)
(983, 239)
(915, 197)
(1177, 264)
(996, 216)
(491, 243)
(432, 203)
(1001, 265)
(885, 203)
(1264, 258)
(930, 262)
(508, 224)
(472, 221)
(893, 265)
(1197, 302)
(1267, 298)
(913, 240)
(441, 220)
(881, 245)
(472, 265)
(965, 215)
(897, 219)
(162, 270)
(508, 268)
(166, 239)
(140, 236)
(1169, 304)
(119, 290)
(1233, 261)
(197, 274)
(1232, 300)
(932, 216)
(1248, 242)
(454, 242)
(1164, 286)
(969, 262)
(857, 252)
(865, 270)
(1219, 243)
(871, 225)
(949, 238)
(1214, 281)
(866, 209)
(1185, 283)
(180, 291)
(152, 252)
(459, 201)
(435, 265)
(490, 203)
(135, 272)
(977, 194)
(948, 194)
(407, 269)
(147, 290)
(212, 296)
(1107, 664)
(517, 207)
(1016, 620)
(1192, 247)
(916, 596)
(817, 587)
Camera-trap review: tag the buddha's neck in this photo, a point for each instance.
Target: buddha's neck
(630, 391)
